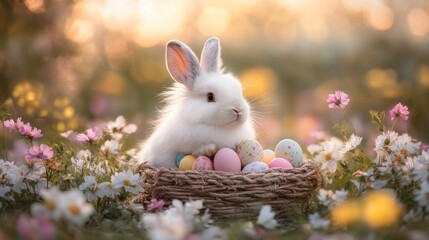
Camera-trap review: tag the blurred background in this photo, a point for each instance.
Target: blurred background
(65, 65)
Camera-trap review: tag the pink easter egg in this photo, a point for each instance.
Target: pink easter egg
(227, 160)
(203, 163)
(280, 163)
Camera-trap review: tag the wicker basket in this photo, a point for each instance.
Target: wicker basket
(233, 195)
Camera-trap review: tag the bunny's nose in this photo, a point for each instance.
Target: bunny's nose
(237, 110)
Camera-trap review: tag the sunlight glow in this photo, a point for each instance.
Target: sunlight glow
(213, 21)
(418, 21)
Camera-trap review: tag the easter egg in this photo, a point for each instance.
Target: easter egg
(255, 167)
(227, 160)
(203, 163)
(268, 156)
(179, 158)
(280, 163)
(291, 151)
(187, 162)
(249, 151)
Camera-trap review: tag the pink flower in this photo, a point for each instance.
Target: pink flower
(90, 136)
(9, 124)
(35, 228)
(338, 99)
(155, 204)
(24, 129)
(399, 111)
(42, 152)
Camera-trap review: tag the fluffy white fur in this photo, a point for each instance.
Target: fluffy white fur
(188, 122)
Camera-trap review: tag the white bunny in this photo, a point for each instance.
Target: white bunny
(205, 109)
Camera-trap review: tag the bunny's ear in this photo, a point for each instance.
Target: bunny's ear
(182, 64)
(210, 57)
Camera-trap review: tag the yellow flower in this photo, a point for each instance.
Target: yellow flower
(346, 213)
(381, 209)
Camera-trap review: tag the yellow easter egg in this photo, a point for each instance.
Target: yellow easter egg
(187, 162)
(268, 156)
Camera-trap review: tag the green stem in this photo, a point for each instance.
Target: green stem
(351, 122)
(47, 175)
(394, 123)
(5, 144)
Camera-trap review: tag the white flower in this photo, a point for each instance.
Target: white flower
(50, 207)
(66, 134)
(317, 222)
(213, 233)
(339, 196)
(421, 167)
(74, 207)
(110, 147)
(188, 210)
(119, 126)
(385, 140)
(325, 196)
(353, 142)
(330, 155)
(177, 222)
(314, 148)
(405, 146)
(84, 155)
(70, 205)
(421, 195)
(3, 191)
(128, 180)
(89, 182)
(106, 189)
(165, 226)
(90, 185)
(266, 217)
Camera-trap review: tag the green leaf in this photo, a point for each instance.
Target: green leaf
(378, 119)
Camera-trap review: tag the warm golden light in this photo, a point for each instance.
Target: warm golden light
(380, 16)
(418, 21)
(36, 6)
(213, 21)
(78, 30)
(424, 76)
(258, 82)
(158, 21)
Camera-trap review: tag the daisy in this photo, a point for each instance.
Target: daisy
(128, 180)
(353, 142)
(90, 186)
(50, 208)
(339, 196)
(421, 167)
(119, 126)
(166, 225)
(421, 196)
(266, 217)
(110, 147)
(330, 155)
(106, 189)
(405, 146)
(74, 207)
(317, 222)
(325, 197)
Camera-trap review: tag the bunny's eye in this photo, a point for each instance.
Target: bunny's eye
(210, 97)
